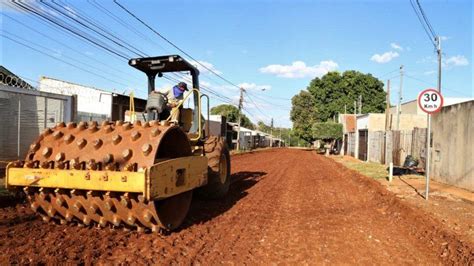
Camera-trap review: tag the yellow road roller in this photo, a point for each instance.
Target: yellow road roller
(138, 175)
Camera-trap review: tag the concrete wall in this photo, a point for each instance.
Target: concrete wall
(376, 122)
(410, 107)
(409, 121)
(452, 160)
(92, 103)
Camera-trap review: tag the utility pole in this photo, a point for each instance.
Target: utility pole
(399, 109)
(271, 133)
(241, 101)
(280, 138)
(355, 107)
(387, 121)
(428, 133)
(438, 50)
(360, 104)
(345, 108)
(387, 107)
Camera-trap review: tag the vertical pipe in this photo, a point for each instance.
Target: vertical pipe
(428, 157)
(241, 100)
(400, 97)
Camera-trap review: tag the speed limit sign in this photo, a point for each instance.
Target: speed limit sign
(430, 101)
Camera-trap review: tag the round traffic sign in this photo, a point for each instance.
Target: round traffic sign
(430, 101)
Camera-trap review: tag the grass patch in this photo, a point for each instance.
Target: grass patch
(373, 170)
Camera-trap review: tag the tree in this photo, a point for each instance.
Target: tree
(333, 91)
(232, 114)
(327, 96)
(327, 131)
(303, 114)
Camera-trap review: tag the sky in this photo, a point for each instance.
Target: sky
(271, 48)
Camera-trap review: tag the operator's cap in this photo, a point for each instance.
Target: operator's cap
(183, 85)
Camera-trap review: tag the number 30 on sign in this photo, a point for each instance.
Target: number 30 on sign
(430, 101)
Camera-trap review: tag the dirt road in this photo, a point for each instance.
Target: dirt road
(289, 206)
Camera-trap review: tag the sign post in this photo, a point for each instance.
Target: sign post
(430, 101)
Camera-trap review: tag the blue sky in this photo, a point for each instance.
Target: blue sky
(278, 46)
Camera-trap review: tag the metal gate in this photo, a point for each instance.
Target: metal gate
(363, 141)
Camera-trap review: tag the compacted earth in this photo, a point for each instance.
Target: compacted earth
(284, 206)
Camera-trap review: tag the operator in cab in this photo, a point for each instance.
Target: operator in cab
(175, 95)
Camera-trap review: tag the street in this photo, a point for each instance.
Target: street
(285, 206)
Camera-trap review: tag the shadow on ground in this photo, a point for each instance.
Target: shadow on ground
(202, 210)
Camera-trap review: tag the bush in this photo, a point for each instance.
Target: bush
(327, 131)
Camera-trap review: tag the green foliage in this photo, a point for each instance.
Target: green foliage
(333, 91)
(331, 94)
(303, 114)
(327, 131)
(232, 114)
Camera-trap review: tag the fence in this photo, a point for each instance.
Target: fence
(24, 114)
(392, 146)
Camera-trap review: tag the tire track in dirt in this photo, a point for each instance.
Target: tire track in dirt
(284, 205)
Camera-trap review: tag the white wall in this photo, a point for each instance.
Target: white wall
(89, 100)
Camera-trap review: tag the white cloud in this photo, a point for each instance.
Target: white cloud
(385, 57)
(444, 38)
(208, 66)
(253, 86)
(299, 69)
(396, 46)
(458, 60)
(429, 72)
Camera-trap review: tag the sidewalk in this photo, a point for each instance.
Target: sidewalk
(451, 205)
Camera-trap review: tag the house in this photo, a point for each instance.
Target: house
(370, 134)
(92, 103)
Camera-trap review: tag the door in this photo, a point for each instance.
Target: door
(363, 141)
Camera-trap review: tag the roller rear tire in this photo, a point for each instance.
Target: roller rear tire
(218, 169)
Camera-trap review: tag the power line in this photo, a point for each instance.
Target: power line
(424, 22)
(174, 45)
(425, 18)
(72, 49)
(70, 29)
(111, 15)
(432, 84)
(270, 103)
(388, 73)
(256, 106)
(58, 59)
(91, 28)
